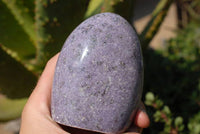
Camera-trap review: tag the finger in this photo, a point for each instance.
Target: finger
(141, 118)
(42, 93)
(44, 85)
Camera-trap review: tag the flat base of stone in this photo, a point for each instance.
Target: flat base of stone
(73, 130)
(76, 130)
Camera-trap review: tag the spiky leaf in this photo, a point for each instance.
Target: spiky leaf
(16, 29)
(155, 22)
(55, 20)
(121, 7)
(15, 81)
(11, 109)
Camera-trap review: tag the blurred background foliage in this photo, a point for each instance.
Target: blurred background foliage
(32, 31)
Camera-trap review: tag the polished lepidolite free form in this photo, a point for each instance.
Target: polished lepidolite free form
(99, 76)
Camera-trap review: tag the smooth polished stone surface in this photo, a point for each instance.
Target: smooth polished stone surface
(99, 75)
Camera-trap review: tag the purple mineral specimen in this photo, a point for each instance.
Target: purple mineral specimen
(98, 78)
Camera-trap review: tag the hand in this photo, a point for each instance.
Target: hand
(36, 117)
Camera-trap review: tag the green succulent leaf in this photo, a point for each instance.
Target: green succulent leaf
(21, 14)
(14, 34)
(54, 24)
(150, 96)
(121, 7)
(11, 109)
(157, 116)
(16, 81)
(155, 22)
(166, 110)
(178, 121)
(94, 8)
(194, 124)
(159, 103)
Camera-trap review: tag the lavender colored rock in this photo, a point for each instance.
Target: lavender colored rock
(98, 78)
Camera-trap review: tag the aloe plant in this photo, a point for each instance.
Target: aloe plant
(32, 31)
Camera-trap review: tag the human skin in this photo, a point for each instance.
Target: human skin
(36, 116)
